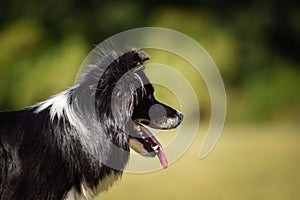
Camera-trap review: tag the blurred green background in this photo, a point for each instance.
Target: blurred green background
(255, 45)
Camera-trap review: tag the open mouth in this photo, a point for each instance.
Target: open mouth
(145, 143)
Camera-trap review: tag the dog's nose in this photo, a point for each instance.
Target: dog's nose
(180, 116)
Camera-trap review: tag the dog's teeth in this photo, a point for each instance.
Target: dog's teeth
(138, 128)
(155, 147)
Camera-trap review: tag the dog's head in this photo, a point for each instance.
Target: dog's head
(125, 96)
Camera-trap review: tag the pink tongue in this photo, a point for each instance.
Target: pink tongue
(153, 141)
(162, 157)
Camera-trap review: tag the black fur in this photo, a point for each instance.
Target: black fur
(75, 139)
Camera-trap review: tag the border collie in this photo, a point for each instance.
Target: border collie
(76, 144)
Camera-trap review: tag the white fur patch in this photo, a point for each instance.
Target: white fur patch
(58, 105)
(60, 108)
(90, 193)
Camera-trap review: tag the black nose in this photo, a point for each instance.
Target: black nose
(180, 116)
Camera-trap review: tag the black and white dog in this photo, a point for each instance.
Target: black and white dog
(76, 144)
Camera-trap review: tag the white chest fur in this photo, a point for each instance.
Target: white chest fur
(88, 193)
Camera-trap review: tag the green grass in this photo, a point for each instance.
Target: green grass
(249, 162)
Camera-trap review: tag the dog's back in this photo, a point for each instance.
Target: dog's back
(32, 164)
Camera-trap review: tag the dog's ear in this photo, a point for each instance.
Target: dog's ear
(129, 60)
(121, 66)
(113, 73)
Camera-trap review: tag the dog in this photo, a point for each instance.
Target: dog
(76, 144)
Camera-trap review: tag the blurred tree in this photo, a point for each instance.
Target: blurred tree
(255, 43)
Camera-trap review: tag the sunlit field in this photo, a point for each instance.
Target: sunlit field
(249, 162)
